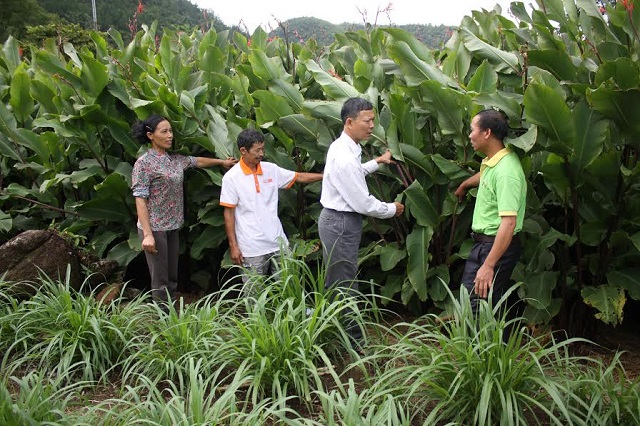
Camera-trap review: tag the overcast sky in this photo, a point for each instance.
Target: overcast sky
(265, 12)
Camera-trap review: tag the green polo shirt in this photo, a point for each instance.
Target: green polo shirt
(502, 192)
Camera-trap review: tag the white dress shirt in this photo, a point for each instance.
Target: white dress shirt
(344, 188)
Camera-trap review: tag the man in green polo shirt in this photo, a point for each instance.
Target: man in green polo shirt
(499, 209)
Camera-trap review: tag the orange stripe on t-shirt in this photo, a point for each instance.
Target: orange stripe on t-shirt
(292, 181)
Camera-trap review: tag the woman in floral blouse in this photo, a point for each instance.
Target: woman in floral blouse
(156, 182)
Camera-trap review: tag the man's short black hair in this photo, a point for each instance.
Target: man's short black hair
(494, 120)
(248, 137)
(352, 108)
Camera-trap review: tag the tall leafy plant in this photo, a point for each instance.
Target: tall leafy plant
(566, 74)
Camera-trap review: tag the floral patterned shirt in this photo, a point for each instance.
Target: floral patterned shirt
(158, 178)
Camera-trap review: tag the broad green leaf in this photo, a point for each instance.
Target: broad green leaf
(272, 107)
(446, 104)
(458, 61)
(102, 240)
(123, 253)
(546, 108)
(392, 286)
(104, 209)
(635, 239)
(591, 135)
(438, 283)
(211, 237)
(415, 70)
(305, 127)
(94, 74)
(289, 92)
(624, 72)
(608, 300)
(417, 47)
(109, 202)
(11, 136)
(6, 222)
(452, 170)
(390, 255)
(484, 80)
(509, 103)
(557, 62)
(418, 265)
(628, 279)
(121, 132)
(8, 147)
(34, 142)
(333, 88)
(11, 57)
(420, 206)
(328, 111)
(519, 11)
(267, 68)
(538, 288)
(219, 135)
(619, 105)
(413, 155)
(20, 100)
(503, 61)
(525, 141)
(403, 122)
(54, 66)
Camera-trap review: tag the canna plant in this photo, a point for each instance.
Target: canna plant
(565, 73)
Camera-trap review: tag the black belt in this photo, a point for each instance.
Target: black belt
(342, 212)
(482, 238)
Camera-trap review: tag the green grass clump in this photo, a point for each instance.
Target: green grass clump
(37, 400)
(62, 332)
(465, 371)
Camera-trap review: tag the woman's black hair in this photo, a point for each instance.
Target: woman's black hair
(139, 129)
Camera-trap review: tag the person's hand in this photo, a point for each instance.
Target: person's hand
(385, 158)
(149, 244)
(399, 208)
(229, 162)
(236, 255)
(461, 191)
(483, 281)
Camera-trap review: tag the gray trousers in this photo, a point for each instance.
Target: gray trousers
(163, 265)
(340, 234)
(265, 265)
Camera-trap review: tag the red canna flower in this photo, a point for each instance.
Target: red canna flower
(628, 4)
(140, 7)
(249, 43)
(20, 51)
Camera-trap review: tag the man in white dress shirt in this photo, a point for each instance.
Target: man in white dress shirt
(345, 198)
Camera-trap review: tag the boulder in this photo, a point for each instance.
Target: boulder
(26, 257)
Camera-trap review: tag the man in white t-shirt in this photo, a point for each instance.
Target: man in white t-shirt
(249, 196)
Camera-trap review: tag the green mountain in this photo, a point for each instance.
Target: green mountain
(128, 16)
(120, 14)
(302, 29)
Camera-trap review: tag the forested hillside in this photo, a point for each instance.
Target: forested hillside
(118, 13)
(31, 20)
(305, 28)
